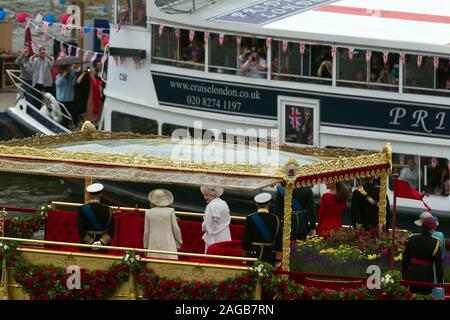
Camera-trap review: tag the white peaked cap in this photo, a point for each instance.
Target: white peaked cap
(94, 188)
(263, 198)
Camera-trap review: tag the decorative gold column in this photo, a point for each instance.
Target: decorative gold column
(286, 253)
(383, 186)
(88, 181)
(132, 295)
(383, 202)
(4, 295)
(257, 290)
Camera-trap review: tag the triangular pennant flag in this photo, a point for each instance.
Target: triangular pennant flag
(206, 37)
(191, 35)
(402, 58)
(419, 61)
(402, 189)
(238, 40)
(333, 51)
(368, 55)
(221, 38)
(94, 57)
(385, 57)
(177, 33)
(435, 62)
(161, 30)
(285, 45)
(268, 41)
(302, 48)
(350, 54)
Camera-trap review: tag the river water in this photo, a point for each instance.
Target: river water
(29, 191)
(33, 7)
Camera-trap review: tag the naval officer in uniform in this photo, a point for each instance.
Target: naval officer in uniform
(262, 232)
(95, 221)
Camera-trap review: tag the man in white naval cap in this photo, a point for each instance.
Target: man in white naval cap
(262, 232)
(95, 221)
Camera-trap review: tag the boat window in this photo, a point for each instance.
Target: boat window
(164, 46)
(112, 13)
(252, 60)
(425, 174)
(123, 12)
(122, 122)
(222, 57)
(173, 130)
(191, 50)
(352, 69)
(131, 12)
(420, 76)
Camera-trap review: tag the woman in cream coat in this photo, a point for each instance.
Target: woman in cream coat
(161, 230)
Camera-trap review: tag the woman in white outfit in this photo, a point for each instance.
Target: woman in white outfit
(216, 222)
(161, 231)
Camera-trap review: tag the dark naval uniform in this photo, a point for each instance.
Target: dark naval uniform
(364, 207)
(97, 228)
(258, 244)
(303, 218)
(421, 251)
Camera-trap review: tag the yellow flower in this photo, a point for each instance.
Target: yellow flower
(371, 257)
(399, 257)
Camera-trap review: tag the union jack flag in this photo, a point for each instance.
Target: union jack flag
(295, 118)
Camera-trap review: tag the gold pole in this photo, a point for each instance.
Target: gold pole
(4, 282)
(132, 295)
(383, 202)
(258, 289)
(383, 187)
(88, 181)
(286, 253)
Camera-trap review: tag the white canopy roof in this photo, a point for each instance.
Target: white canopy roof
(412, 25)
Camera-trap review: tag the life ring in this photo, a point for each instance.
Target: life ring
(52, 104)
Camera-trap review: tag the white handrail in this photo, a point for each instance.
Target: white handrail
(36, 94)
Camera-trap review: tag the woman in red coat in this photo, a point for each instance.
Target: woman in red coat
(332, 206)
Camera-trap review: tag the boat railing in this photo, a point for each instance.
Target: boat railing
(26, 89)
(39, 246)
(56, 205)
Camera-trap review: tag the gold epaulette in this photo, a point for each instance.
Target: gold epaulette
(368, 198)
(414, 234)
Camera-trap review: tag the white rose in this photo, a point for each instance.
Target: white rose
(138, 258)
(1, 244)
(5, 247)
(132, 260)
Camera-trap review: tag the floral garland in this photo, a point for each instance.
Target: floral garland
(44, 282)
(26, 227)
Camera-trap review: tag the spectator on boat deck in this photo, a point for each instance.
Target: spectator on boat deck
(40, 66)
(410, 174)
(422, 251)
(65, 82)
(161, 230)
(303, 218)
(442, 187)
(332, 206)
(139, 13)
(216, 221)
(364, 205)
(436, 234)
(195, 59)
(326, 67)
(262, 235)
(95, 101)
(254, 65)
(395, 73)
(360, 81)
(82, 88)
(23, 61)
(385, 75)
(95, 221)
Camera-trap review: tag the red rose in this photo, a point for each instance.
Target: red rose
(361, 295)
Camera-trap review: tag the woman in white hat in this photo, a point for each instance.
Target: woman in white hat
(216, 222)
(161, 230)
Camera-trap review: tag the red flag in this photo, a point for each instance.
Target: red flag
(402, 189)
(28, 41)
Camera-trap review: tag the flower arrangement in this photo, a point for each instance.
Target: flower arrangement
(133, 262)
(26, 227)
